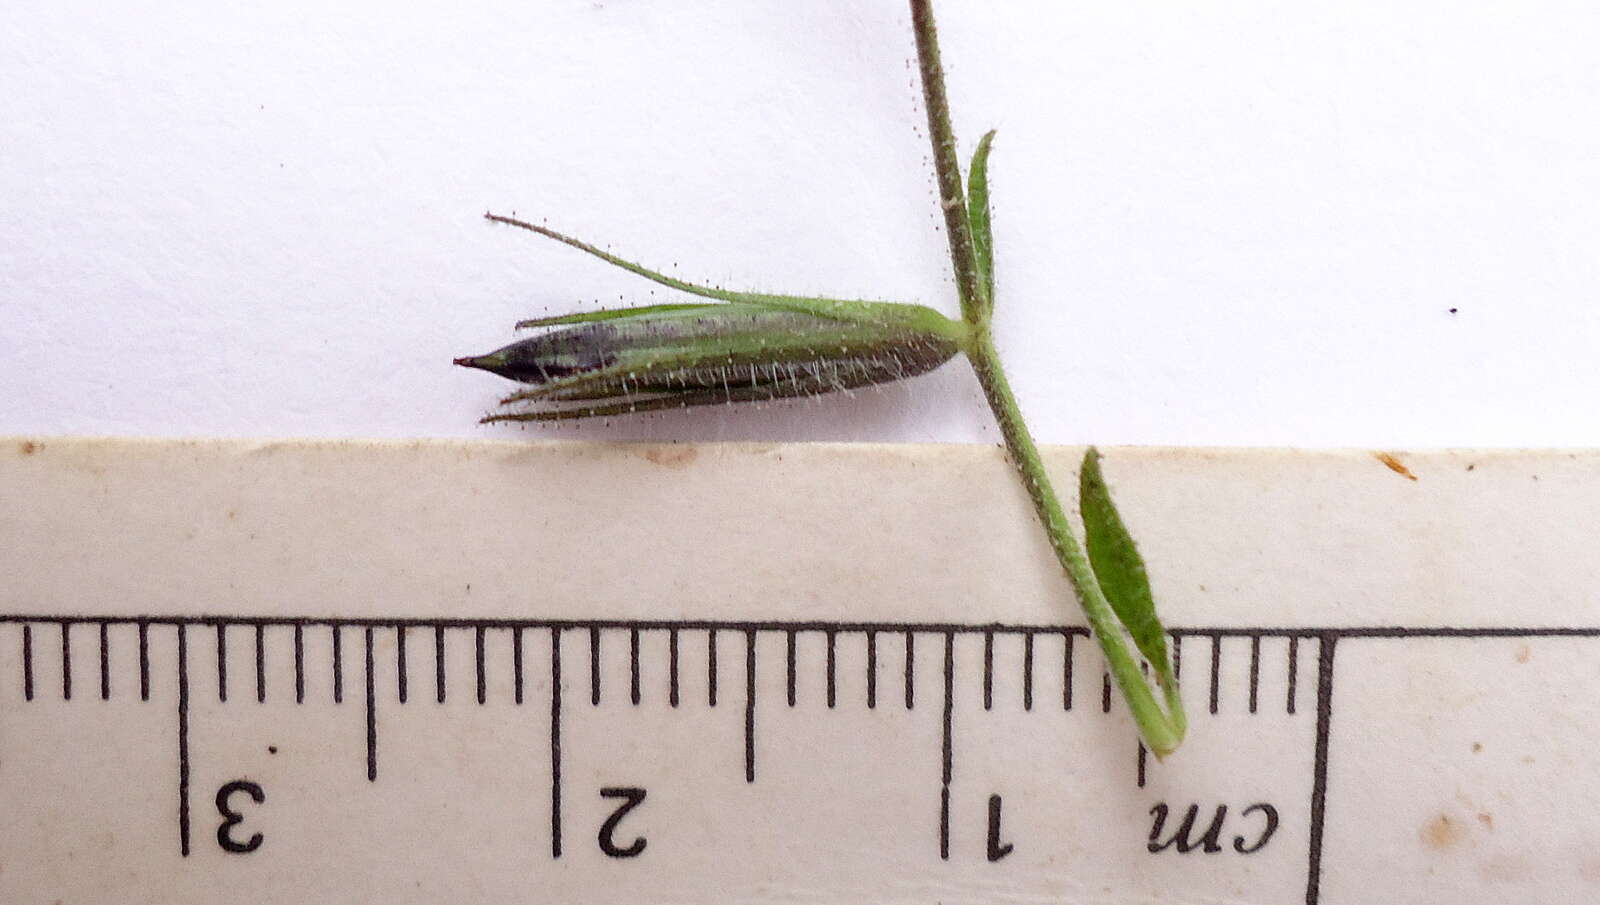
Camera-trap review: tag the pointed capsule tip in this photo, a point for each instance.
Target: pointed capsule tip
(471, 361)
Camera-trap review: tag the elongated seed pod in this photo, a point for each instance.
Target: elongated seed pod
(676, 356)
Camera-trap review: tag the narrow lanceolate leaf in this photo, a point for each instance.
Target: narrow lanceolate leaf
(1120, 569)
(978, 216)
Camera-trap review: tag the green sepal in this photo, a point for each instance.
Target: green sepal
(590, 317)
(1120, 569)
(880, 314)
(978, 217)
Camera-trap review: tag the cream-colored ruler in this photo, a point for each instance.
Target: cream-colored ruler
(524, 672)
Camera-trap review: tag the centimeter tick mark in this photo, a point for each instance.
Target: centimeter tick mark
(750, 706)
(1066, 672)
(672, 667)
(183, 742)
(261, 664)
(27, 662)
(633, 667)
(872, 670)
(911, 663)
(66, 661)
(372, 714)
(711, 668)
(789, 666)
(144, 661)
(947, 745)
(1216, 666)
(400, 662)
(477, 663)
(1255, 669)
(438, 664)
(338, 664)
(516, 663)
(555, 742)
(105, 664)
(299, 666)
(1027, 671)
(1294, 670)
(988, 670)
(594, 667)
(831, 670)
(222, 662)
(1319, 769)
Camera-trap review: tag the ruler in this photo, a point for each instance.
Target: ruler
(353, 672)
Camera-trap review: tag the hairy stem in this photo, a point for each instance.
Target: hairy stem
(1161, 730)
(946, 163)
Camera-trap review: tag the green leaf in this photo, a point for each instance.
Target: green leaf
(1120, 569)
(978, 216)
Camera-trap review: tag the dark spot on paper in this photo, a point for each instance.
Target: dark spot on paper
(1487, 819)
(1395, 465)
(28, 447)
(1442, 833)
(272, 749)
(1477, 747)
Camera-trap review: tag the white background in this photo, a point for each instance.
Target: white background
(1244, 224)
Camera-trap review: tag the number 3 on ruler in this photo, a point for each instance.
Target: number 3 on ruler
(231, 817)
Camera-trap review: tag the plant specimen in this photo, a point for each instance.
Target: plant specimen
(749, 346)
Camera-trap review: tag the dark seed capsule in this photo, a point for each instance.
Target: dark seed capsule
(673, 356)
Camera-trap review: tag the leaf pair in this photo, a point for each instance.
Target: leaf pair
(1115, 565)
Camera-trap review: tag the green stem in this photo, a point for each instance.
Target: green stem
(947, 164)
(1161, 730)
